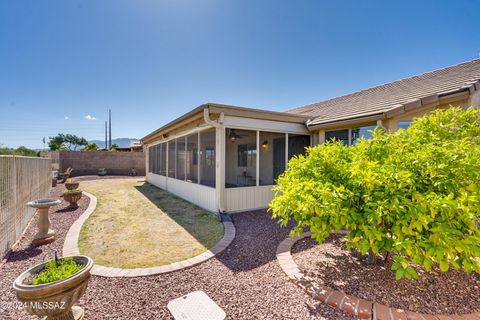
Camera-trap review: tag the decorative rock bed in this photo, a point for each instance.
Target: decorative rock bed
(363, 309)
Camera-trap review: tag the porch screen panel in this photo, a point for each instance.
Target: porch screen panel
(272, 157)
(150, 159)
(207, 157)
(240, 158)
(171, 158)
(163, 159)
(297, 144)
(192, 158)
(155, 158)
(180, 158)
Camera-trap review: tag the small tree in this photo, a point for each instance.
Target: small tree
(66, 142)
(91, 147)
(413, 193)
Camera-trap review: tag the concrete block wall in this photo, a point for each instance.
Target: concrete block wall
(88, 162)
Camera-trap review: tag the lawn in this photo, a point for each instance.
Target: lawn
(136, 224)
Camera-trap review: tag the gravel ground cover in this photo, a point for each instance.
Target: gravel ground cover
(331, 264)
(245, 280)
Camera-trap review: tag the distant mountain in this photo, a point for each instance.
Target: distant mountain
(121, 142)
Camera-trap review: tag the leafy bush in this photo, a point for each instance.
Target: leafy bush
(413, 193)
(53, 272)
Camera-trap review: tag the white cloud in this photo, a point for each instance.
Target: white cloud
(66, 117)
(89, 117)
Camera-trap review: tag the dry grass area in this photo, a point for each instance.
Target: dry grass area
(138, 225)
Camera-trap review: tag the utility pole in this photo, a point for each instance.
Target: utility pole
(109, 128)
(106, 134)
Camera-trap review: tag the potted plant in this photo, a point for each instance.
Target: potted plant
(52, 288)
(72, 196)
(70, 184)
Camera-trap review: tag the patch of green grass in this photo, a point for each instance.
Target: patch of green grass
(57, 270)
(136, 224)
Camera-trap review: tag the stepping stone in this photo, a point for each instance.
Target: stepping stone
(195, 306)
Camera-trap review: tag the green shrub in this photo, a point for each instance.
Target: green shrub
(53, 272)
(413, 193)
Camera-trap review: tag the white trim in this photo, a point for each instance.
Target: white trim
(286, 151)
(257, 161)
(179, 135)
(264, 125)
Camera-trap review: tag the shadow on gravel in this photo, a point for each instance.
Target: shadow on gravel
(24, 254)
(67, 209)
(256, 241)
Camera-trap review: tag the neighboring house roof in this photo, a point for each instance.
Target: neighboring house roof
(414, 91)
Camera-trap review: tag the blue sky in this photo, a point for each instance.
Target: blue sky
(151, 61)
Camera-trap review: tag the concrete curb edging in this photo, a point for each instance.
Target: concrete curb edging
(70, 247)
(362, 309)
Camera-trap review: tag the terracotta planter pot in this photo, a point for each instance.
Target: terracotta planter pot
(72, 185)
(72, 197)
(54, 300)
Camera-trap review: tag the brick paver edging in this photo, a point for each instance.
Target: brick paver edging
(70, 247)
(362, 309)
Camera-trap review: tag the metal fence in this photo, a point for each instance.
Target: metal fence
(22, 179)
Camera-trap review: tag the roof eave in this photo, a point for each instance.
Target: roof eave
(431, 100)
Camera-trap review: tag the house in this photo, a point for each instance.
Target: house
(135, 146)
(227, 158)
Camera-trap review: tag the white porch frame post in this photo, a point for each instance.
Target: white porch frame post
(220, 165)
(198, 157)
(257, 160)
(286, 151)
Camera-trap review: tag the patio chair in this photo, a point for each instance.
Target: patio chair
(65, 175)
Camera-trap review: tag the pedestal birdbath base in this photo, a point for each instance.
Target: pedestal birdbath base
(45, 234)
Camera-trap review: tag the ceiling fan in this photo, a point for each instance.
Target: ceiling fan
(233, 135)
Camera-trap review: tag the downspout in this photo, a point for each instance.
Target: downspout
(219, 155)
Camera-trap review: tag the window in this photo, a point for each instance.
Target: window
(247, 155)
(180, 159)
(362, 132)
(341, 135)
(240, 158)
(297, 144)
(272, 157)
(404, 124)
(210, 156)
(207, 157)
(171, 158)
(192, 158)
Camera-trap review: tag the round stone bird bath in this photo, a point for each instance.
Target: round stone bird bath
(45, 234)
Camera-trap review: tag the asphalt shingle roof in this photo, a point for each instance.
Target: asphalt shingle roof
(382, 98)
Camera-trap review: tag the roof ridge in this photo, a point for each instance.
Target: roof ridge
(384, 84)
